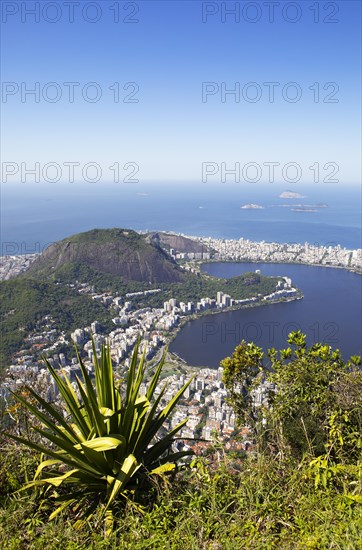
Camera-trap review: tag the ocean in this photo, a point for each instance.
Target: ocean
(34, 215)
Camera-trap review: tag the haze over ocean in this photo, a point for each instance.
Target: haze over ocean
(39, 214)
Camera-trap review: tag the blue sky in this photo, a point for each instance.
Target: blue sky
(168, 53)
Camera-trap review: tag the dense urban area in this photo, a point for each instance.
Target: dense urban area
(205, 401)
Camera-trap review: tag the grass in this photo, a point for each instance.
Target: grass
(256, 503)
(285, 497)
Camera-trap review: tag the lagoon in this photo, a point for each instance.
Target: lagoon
(330, 312)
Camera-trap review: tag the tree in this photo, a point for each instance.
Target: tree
(313, 402)
(307, 394)
(241, 375)
(108, 444)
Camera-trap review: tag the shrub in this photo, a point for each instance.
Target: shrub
(109, 444)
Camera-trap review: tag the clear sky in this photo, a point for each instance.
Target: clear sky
(163, 52)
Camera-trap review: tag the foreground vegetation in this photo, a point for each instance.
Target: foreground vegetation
(300, 486)
(258, 503)
(99, 443)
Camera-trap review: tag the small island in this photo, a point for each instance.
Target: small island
(252, 207)
(291, 195)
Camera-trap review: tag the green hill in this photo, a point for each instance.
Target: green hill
(120, 252)
(118, 261)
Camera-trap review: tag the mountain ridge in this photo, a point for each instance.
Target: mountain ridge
(121, 252)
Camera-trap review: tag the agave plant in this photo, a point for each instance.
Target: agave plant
(109, 442)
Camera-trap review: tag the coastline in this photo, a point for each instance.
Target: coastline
(13, 265)
(187, 318)
(246, 261)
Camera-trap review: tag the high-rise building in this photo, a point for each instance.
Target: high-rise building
(95, 326)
